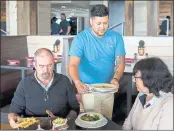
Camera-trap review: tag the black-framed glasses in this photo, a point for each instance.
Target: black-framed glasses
(136, 77)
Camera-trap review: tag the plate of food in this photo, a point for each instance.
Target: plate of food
(91, 120)
(29, 123)
(103, 87)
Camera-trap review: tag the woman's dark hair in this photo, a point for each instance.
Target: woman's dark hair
(99, 10)
(155, 75)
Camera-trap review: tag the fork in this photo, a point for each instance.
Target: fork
(91, 88)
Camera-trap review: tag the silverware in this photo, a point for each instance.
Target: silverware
(91, 88)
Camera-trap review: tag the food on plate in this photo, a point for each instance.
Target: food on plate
(103, 86)
(26, 122)
(59, 121)
(90, 117)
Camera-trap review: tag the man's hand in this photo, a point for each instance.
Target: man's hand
(13, 119)
(81, 87)
(61, 31)
(50, 114)
(115, 82)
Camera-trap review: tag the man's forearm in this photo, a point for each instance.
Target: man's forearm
(68, 30)
(120, 67)
(72, 114)
(73, 71)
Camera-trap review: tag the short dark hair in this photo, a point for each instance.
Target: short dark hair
(155, 75)
(54, 19)
(99, 10)
(168, 17)
(63, 14)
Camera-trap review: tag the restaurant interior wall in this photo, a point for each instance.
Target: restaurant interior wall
(141, 21)
(116, 14)
(154, 46)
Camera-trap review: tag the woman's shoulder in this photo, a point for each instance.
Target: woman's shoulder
(167, 100)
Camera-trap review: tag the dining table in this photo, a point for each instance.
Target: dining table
(72, 126)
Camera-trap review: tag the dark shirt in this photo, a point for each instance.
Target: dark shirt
(30, 99)
(163, 27)
(64, 26)
(55, 28)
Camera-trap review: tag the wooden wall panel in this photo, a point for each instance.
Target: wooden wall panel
(153, 18)
(33, 17)
(140, 18)
(44, 17)
(23, 18)
(13, 47)
(129, 18)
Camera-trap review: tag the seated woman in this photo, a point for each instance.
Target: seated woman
(153, 107)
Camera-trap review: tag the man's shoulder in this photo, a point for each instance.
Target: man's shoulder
(83, 33)
(61, 80)
(26, 81)
(113, 33)
(60, 76)
(29, 78)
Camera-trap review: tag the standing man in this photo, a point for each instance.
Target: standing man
(92, 60)
(163, 26)
(55, 28)
(65, 25)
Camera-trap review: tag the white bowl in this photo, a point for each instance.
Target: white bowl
(13, 63)
(57, 125)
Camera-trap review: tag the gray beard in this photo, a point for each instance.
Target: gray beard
(45, 76)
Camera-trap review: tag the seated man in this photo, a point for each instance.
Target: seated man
(43, 90)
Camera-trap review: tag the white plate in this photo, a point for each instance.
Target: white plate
(91, 124)
(105, 91)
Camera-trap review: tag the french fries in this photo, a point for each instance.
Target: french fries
(26, 122)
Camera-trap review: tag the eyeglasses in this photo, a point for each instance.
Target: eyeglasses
(136, 77)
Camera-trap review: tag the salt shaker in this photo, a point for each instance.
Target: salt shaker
(146, 54)
(135, 57)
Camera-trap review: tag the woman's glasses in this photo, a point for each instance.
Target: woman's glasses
(136, 77)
